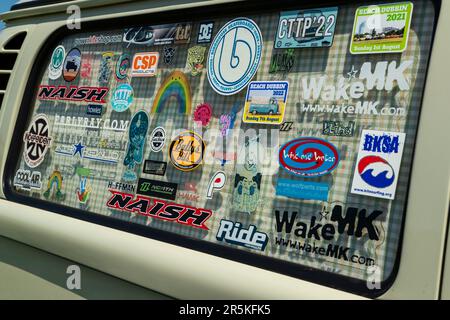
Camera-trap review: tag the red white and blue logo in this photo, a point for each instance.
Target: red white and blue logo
(309, 157)
(376, 171)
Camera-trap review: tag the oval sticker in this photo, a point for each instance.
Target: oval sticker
(186, 151)
(309, 157)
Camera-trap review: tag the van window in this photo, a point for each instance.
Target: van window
(281, 138)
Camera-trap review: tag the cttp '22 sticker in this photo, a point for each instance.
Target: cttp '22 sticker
(308, 157)
(381, 28)
(307, 28)
(37, 141)
(234, 56)
(136, 142)
(265, 102)
(378, 164)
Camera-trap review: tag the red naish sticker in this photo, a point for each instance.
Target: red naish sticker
(73, 93)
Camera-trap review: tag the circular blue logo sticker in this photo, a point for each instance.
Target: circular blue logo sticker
(122, 97)
(234, 56)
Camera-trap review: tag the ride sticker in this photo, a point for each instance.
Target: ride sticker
(306, 28)
(381, 28)
(378, 164)
(265, 102)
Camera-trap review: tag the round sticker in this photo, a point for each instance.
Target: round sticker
(203, 113)
(37, 141)
(72, 65)
(56, 63)
(234, 56)
(186, 151)
(157, 139)
(122, 97)
(122, 66)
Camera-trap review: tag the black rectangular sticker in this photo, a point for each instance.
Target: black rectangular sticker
(159, 189)
(155, 167)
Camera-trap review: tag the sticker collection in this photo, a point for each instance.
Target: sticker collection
(127, 132)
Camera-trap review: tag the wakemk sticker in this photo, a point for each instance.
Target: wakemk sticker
(234, 56)
(302, 189)
(37, 141)
(381, 28)
(136, 142)
(308, 157)
(265, 102)
(122, 97)
(378, 164)
(306, 28)
(56, 63)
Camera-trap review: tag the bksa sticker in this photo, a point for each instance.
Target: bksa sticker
(378, 164)
(381, 28)
(309, 157)
(265, 102)
(306, 28)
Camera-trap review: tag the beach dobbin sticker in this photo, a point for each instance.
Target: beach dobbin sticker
(309, 157)
(234, 56)
(37, 141)
(186, 151)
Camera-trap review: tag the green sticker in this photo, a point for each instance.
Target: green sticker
(381, 28)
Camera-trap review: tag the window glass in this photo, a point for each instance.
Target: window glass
(286, 134)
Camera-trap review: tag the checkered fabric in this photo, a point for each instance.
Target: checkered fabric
(334, 62)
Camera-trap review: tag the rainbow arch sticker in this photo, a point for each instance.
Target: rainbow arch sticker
(175, 85)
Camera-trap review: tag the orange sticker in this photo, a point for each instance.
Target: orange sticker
(186, 151)
(145, 64)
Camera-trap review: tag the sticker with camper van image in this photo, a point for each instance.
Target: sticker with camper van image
(381, 28)
(265, 102)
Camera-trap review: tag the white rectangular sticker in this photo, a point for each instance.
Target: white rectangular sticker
(378, 164)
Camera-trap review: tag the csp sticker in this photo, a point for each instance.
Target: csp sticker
(72, 65)
(306, 28)
(309, 157)
(145, 64)
(234, 56)
(378, 164)
(56, 63)
(37, 141)
(265, 102)
(186, 151)
(381, 28)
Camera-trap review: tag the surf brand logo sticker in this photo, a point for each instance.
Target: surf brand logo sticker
(37, 141)
(338, 129)
(94, 109)
(105, 67)
(378, 164)
(186, 151)
(136, 144)
(145, 64)
(235, 233)
(205, 32)
(309, 157)
(83, 192)
(122, 97)
(27, 180)
(89, 153)
(265, 102)
(306, 28)
(216, 183)
(56, 63)
(195, 59)
(122, 66)
(54, 187)
(74, 93)
(302, 189)
(157, 139)
(158, 189)
(203, 114)
(179, 33)
(381, 28)
(72, 65)
(155, 167)
(169, 53)
(159, 209)
(282, 62)
(234, 56)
